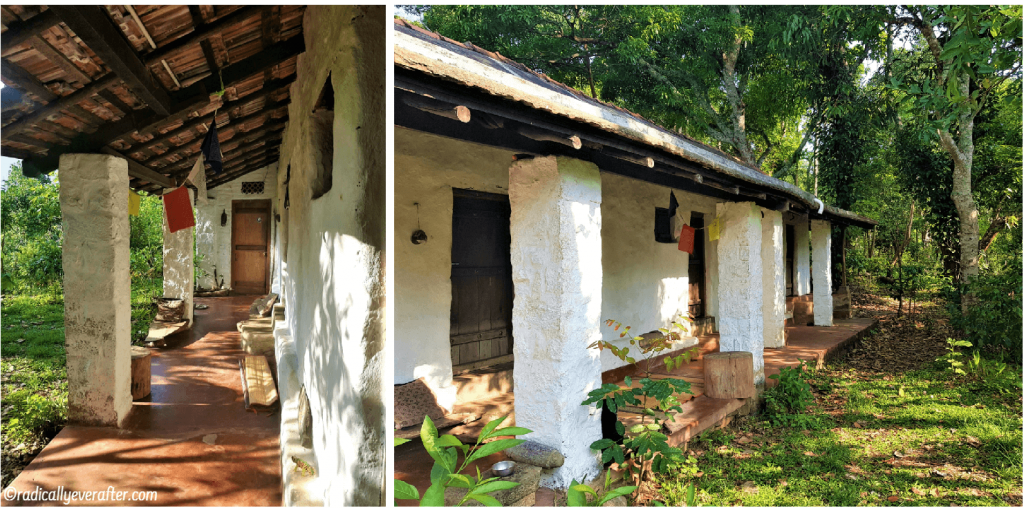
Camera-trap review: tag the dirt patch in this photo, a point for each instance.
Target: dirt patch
(907, 342)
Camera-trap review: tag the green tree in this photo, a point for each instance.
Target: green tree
(973, 50)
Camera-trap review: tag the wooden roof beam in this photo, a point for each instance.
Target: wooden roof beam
(267, 159)
(142, 172)
(92, 24)
(192, 147)
(178, 46)
(250, 145)
(248, 99)
(56, 57)
(146, 120)
(14, 74)
(21, 32)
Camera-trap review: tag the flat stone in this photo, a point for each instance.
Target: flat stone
(527, 476)
(536, 454)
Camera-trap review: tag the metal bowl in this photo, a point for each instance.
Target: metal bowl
(503, 468)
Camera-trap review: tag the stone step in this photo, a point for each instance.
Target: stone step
(257, 341)
(483, 384)
(264, 322)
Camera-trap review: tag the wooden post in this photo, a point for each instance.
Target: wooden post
(141, 372)
(729, 375)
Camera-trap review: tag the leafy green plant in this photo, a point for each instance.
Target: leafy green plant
(952, 358)
(644, 449)
(447, 471)
(582, 495)
(786, 403)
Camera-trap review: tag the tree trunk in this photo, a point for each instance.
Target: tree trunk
(732, 93)
(962, 153)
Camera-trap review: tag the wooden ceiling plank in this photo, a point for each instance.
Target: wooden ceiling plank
(249, 143)
(55, 106)
(191, 124)
(178, 46)
(250, 167)
(146, 120)
(17, 34)
(115, 101)
(24, 79)
(142, 172)
(56, 57)
(93, 26)
(189, 149)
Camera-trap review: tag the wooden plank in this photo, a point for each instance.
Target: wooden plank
(160, 330)
(259, 382)
(477, 336)
(93, 26)
(19, 77)
(205, 120)
(56, 57)
(251, 168)
(21, 32)
(24, 123)
(115, 101)
(142, 172)
(179, 46)
(264, 132)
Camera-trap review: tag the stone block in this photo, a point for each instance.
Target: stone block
(536, 454)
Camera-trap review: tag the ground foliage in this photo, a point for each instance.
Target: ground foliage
(895, 426)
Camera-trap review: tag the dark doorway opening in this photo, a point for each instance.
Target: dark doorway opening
(482, 292)
(696, 268)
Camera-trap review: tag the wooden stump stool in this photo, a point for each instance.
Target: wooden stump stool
(141, 372)
(729, 375)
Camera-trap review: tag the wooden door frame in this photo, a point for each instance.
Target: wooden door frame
(262, 205)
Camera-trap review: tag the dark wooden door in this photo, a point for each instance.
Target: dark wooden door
(481, 314)
(790, 241)
(250, 241)
(696, 272)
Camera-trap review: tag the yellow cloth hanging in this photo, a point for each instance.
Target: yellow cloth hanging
(715, 229)
(134, 201)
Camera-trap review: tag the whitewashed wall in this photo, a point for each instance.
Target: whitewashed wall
(427, 167)
(332, 276)
(646, 283)
(213, 241)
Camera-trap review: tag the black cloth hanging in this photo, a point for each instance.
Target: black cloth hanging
(663, 220)
(211, 149)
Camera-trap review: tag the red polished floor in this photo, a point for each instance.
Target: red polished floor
(191, 441)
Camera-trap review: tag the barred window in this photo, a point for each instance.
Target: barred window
(252, 187)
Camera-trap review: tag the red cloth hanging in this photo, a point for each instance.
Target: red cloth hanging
(178, 208)
(686, 239)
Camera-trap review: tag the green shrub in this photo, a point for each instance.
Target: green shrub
(996, 319)
(786, 404)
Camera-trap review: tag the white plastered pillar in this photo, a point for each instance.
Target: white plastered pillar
(557, 272)
(97, 287)
(740, 297)
(821, 236)
(801, 259)
(773, 277)
(179, 269)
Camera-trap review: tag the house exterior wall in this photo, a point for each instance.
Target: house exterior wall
(333, 266)
(427, 167)
(213, 241)
(646, 283)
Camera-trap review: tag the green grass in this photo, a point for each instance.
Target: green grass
(33, 370)
(922, 438)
